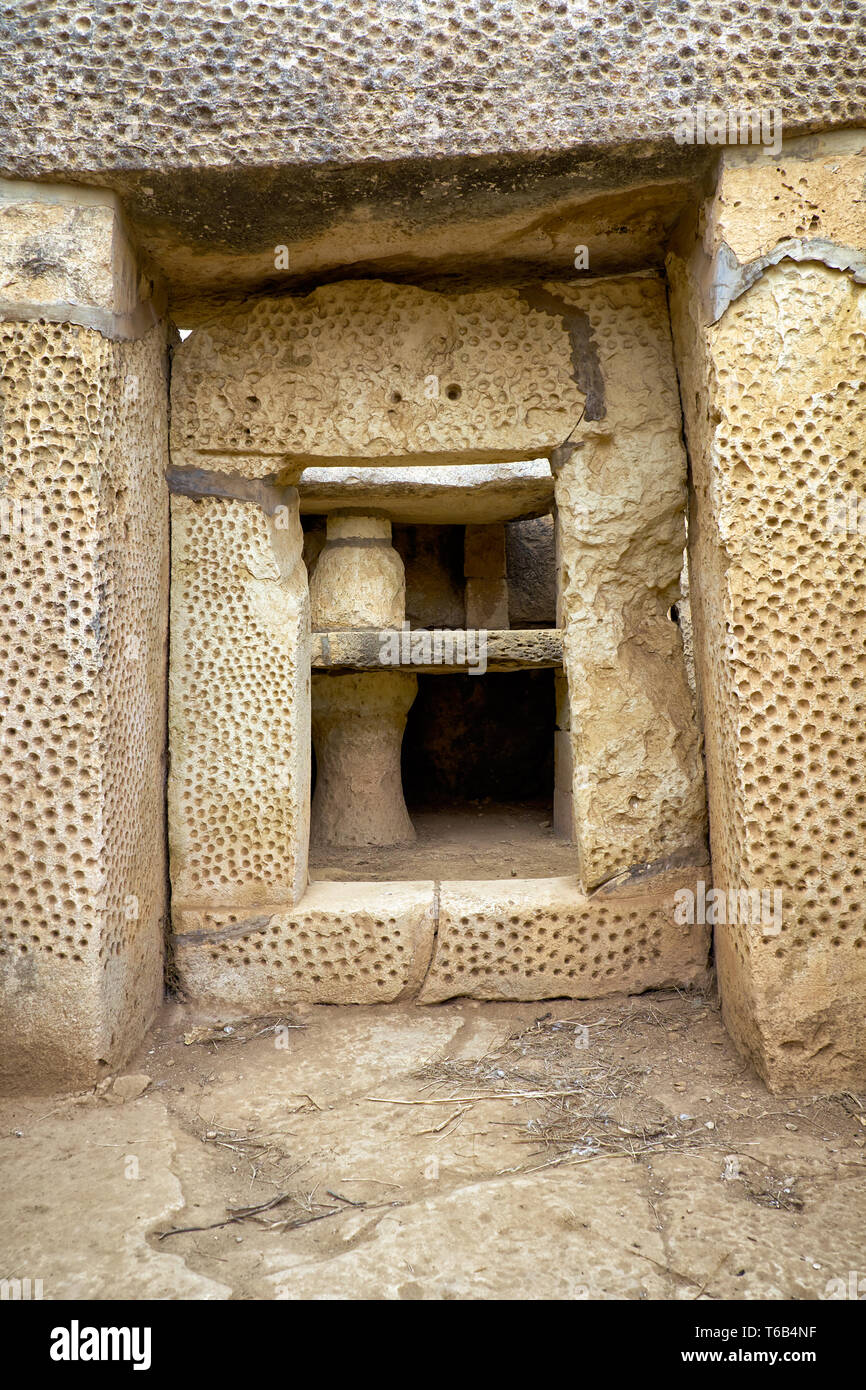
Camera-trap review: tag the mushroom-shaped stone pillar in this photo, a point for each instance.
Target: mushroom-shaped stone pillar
(358, 720)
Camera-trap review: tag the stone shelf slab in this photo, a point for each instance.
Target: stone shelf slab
(485, 493)
(436, 651)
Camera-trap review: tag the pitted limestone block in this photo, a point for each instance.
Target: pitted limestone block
(638, 789)
(84, 552)
(775, 408)
(359, 580)
(283, 87)
(628, 325)
(358, 726)
(343, 943)
(239, 704)
(807, 193)
(390, 373)
(543, 938)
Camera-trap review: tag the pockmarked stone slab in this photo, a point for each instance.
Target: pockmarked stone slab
(344, 943)
(775, 411)
(360, 943)
(392, 374)
(544, 938)
(244, 87)
(239, 703)
(84, 554)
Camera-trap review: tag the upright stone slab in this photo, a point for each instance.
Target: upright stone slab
(636, 769)
(84, 542)
(486, 577)
(239, 703)
(770, 325)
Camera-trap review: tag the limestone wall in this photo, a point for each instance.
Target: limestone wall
(291, 81)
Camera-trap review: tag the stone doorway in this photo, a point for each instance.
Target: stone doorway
(346, 468)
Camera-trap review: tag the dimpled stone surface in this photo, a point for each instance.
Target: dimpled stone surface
(159, 85)
(369, 370)
(775, 407)
(239, 704)
(82, 862)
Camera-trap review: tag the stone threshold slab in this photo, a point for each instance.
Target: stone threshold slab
(365, 943)
(438, 651)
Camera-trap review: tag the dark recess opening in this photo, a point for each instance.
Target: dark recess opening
(477, 768)
(480, 738)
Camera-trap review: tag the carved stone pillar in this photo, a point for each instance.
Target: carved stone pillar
(359, 580)
(358, 724)
(358, 720)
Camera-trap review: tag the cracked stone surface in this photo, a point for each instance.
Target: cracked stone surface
(613, 1149)
(84, 1186)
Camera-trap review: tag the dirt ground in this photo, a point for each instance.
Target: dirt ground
(613, 1149)
(468, 841)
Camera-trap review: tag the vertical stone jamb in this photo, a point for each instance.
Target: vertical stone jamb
(239, 703)
(84, 541)
(770, 328)
(486, 577)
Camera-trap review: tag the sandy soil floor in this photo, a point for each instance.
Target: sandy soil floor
(468, 841)
(613, 1149)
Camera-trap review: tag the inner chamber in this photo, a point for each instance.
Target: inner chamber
(477, 755)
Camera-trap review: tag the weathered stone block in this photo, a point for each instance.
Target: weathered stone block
(388, 373)
(484, 552)
(358, 726)
(359, 580)
(84, 542)
(239, 704)
(530, 548)
(563, 813)
(428, 497)
(343, 943)
(776, 421)
(66, 256)
(543, 938)
(638, 789)
(563, 702)
(486, 603)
